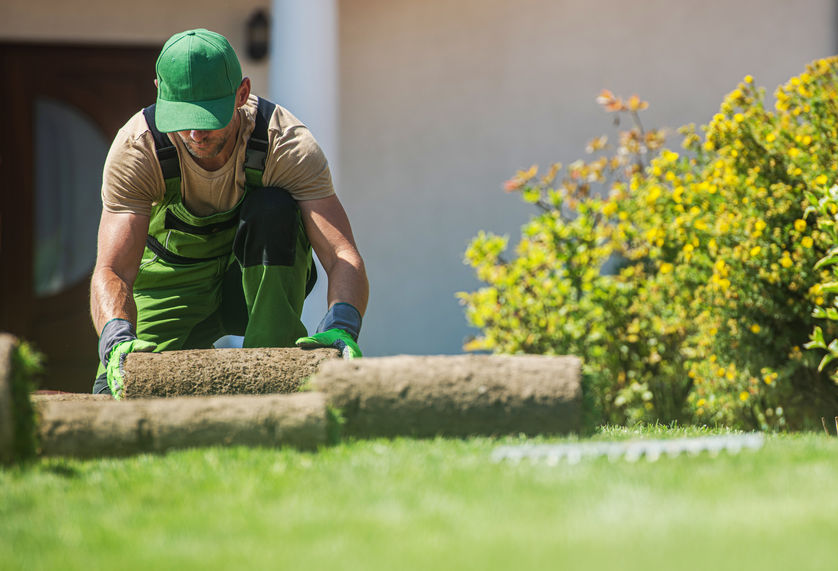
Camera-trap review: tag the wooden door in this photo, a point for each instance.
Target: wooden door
(61, 105)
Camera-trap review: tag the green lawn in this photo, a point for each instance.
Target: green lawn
(427, 504)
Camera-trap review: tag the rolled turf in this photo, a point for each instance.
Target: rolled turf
(7, 346)
(417, 396)
(92, 428)
(221, 371)
(458, 395)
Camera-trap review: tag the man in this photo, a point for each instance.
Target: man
(213, 200)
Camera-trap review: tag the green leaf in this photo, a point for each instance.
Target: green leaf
(531, 195)
(817, 341)
(828, 260)
(825, 361)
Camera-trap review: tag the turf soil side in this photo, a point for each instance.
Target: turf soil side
(7, 345)
(460, 395)
(95, 428)
(221, 371)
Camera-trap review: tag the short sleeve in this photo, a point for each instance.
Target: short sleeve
(296, 162)
(131, 180)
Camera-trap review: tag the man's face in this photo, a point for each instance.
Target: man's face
(207, 144)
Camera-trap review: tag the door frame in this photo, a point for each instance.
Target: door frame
(108, 84)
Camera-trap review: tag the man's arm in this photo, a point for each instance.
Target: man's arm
(121, 241)
(331, 238)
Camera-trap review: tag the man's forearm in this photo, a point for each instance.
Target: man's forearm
(348, 282)
(110, 298)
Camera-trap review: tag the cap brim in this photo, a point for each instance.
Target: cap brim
(173, 116)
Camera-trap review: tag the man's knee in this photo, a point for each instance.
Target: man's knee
(268, 226)
(100, 385)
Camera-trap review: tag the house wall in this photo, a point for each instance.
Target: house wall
(150, 22)
(441, 101)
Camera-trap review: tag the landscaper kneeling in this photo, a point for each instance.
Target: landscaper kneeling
(213, 200)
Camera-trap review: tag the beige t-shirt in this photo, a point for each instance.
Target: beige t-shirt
(133, 182)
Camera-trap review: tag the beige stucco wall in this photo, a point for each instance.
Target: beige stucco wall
(150, 22)
(442, 100)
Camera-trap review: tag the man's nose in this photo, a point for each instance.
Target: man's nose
(198, 136)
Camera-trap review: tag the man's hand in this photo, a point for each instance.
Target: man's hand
(116, 361)
(117, 340)
(338, 329)
(337, 338)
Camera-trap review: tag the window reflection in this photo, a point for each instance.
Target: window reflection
(70, 152)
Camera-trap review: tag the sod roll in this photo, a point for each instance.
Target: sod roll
(461, 395)
(7, 347)
(221, 371)
(94, 428)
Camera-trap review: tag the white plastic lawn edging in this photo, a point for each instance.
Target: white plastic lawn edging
(631, 451)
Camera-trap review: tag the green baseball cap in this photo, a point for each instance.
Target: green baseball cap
(197, 77)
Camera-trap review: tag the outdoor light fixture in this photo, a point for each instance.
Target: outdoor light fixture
(258, 35)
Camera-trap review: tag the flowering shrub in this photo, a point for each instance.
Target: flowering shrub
(687, 281)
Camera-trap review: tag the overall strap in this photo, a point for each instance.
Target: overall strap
(256, 153)
(163, 146)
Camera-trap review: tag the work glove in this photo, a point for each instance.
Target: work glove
(339, 329)
(116, 341)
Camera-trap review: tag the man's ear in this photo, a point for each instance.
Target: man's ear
(155, 83)
(243, 92)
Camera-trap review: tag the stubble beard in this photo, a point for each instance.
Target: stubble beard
(207, 153)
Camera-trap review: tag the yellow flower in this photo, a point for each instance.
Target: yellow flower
(743, 396)
(793, 152)
(666, 267)
(755, 251)
(701, 402)
(749, 79)
(755, 328)
(760, 225)
(720, 372)
(738, 117)
(610, 208)
(800, 225)
(806, 242)
(669, 156)
(785, 261)
(770, 137)
(654, 194)
(821, 179)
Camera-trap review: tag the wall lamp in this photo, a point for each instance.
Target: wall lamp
(258, 35)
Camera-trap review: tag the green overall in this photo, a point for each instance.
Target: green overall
(244, 272)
